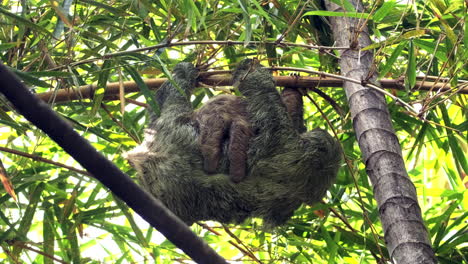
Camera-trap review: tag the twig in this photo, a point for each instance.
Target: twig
(372, 86)
(103, 106)
(37, 158)
(246, 251)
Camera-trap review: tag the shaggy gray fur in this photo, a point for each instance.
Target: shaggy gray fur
(284, 169)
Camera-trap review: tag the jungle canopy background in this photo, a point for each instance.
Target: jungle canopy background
(53, 211)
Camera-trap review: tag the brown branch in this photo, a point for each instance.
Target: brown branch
(246, 251)
(120, 124)
(37, 158)
(24, 246)
(239, 241)
(211, 78)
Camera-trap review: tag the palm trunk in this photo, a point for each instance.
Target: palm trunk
(405, 234)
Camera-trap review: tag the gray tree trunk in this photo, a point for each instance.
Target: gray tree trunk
(405, 234)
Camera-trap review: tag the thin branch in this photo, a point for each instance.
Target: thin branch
(127, 100)
(238, 240)
(369, 85)
(196, 42)
(120, 124)
(246, 251)
(141, 201)
(24, 246)
(41, 159)
(215, 78)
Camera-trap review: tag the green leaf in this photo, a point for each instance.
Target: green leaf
(244, 4)
(390, 61)
(7, 46)
(411, 69)
(120, 12)
(447, 29)
(383, 11)
(25, 22)
(143, 88)
(465, 38)
(74, 245)
(28, 216)
(337, 14)
(30, 79)
(439, 5)
(348, 6)
(48, 226)
(131, 220)
(432, 48)
(394, 40)
(101, 85)
(262, 12)
(50, 74)
(198, 99)
(456, 150)
(440, 226)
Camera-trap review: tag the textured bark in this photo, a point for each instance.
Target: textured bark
(405, 234)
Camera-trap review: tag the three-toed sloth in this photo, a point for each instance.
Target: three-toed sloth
(236, 157)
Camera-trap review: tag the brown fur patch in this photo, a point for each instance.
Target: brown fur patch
(224, 118)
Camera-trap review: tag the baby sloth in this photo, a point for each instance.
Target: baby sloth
(223, 122)
(224, 119)
(283, 167)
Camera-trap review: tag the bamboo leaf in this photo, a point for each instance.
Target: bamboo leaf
(395, 40)
(143, 88)
(24, 22)
(28, 216)
(30, 79)
(133, 224)
(432, 48)
(390, 61)
(48, 226)
(440, 226)
(101, 86)
(383, 11)
(457, 152)
(337, 14)
(411, 69)
(244, 4)
(345, 4)
(447, 29)
(108, 8)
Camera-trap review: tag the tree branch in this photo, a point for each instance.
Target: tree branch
(112, 89)
(142, 202)
(41, 159)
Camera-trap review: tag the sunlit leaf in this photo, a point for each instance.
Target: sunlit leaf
(337, 14)
(391, 60)
(383, 11)
(395, 40)
(411, 70)
(24, 22)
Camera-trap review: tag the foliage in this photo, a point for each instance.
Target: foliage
(64, 215)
